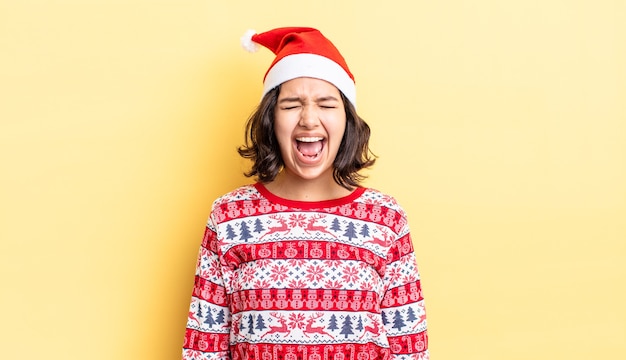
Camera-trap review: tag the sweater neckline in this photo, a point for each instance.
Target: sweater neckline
(309, 204)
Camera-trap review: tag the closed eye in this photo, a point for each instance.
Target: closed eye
(328, 102)
(289, 103)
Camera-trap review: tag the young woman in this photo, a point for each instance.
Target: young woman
(306, 263)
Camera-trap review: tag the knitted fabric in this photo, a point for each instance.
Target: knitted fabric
(289, 280)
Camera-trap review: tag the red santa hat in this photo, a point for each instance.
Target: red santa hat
(302, 52)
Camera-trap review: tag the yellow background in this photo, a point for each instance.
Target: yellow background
(500, 126)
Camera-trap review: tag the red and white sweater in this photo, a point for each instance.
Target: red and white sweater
(287, 280)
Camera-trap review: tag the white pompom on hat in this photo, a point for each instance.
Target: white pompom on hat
(302, 52)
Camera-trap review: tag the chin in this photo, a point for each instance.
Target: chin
(313, 174)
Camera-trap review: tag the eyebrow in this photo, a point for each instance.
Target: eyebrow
(327, 98)
(298, 99)
(288, 99)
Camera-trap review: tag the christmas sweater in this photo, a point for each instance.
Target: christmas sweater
(290, 280)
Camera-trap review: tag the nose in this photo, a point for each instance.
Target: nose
(308, 117)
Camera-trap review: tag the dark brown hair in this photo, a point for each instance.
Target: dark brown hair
(261, 145)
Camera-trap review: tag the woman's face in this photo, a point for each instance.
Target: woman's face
(309, 123)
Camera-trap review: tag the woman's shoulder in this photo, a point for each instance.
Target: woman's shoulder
(242, 193)
(384, 208)
(377, 197)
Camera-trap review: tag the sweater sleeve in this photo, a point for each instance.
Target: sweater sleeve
(208, 325)
(403, 311)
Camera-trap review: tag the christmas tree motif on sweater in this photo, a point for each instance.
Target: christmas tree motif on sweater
(251, 324)
(346, 327)
(410, 315)
(260, 323)
(245, 232)
(384, 317)
(209, 319)
(220, 317)
(350, 231)
(238, 325)
(198, 313)
(398, 322)
(365, 231)
(258, 226)
(230, 232)
(332, 325)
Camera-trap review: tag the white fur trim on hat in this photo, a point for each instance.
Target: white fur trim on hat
(247, 43)
(310, 65)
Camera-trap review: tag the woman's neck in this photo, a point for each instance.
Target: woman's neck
(298, 189)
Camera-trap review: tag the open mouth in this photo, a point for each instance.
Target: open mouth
(310, 147)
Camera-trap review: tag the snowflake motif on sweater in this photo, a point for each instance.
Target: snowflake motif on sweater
(279, 279)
